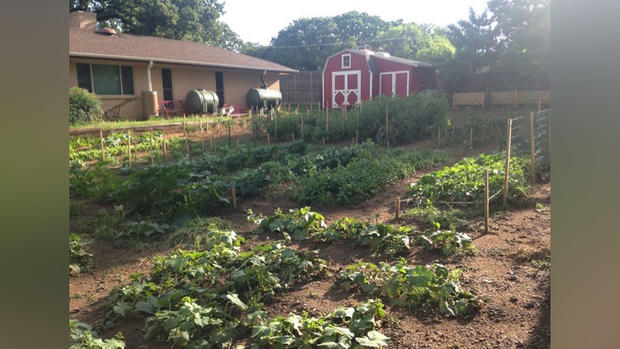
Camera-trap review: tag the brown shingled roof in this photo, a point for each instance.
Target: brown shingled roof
(84, 43)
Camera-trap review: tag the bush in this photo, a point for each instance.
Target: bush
(83, 106)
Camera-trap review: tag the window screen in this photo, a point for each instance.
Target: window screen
(127, 75)
(107, 79)
(83, 76)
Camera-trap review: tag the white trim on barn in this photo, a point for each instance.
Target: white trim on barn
(393, 73)
(346, 91)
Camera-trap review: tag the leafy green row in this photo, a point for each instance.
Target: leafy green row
(211, 298)
(410, 119)
(364, 176)
(343, 328)
(464, 181)
(427, 290)
(302, 224)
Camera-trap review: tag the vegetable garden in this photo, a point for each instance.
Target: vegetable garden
(233, 228)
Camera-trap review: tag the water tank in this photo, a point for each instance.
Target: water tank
(201, 101)
(264, 98)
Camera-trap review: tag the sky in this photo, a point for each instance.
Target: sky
(260, 20)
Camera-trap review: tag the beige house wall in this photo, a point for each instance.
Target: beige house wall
(184, 79)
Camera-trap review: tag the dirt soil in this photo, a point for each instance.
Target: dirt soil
(516, 294)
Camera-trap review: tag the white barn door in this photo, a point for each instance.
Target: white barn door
(346, 88)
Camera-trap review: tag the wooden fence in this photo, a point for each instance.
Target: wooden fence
(303, 88)
(502, 98)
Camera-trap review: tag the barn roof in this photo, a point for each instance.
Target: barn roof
(371, 56)
(86, 43)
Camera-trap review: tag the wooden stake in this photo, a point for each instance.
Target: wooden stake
(471, 138)
(293, 136)
(151, 148)
(301, 126)
(486, 200)
(202, 136)
(439, 137)
(327, 121)
(268, 141)
(532, 150)
(187, 150)
(507, 167)
(229, 133)
(129, 147)
(357, 121)
(323, 140)
(275, 133)
(549, 137)
(102, 146)
(234, 196)
(397, 213)
(163, 148)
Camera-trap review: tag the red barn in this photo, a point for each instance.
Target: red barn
(352, 76)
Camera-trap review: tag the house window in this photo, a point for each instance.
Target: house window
(105, 79)
(346, 61)
(166, 79)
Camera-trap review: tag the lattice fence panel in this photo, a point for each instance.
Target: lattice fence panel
(515, 97)
(467, 98)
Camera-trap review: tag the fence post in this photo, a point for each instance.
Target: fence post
(268, 140)
(387, 132)
(202, 136)
(532, 149)
(102, 146)
(327, 121)
(234, 196)
(486, 200)
(549, 137)
(357, 121)
(507, 169)
(514, 98)
(293, 136)
(229, 132)
(301, 126)
(129, 146)
(187, 151)
(471, 138)
(151, 148)
(275, 132)
(163, 147)
(397, 213)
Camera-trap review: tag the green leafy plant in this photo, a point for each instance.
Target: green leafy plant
(448, 242)
(80, 260)
(83, 337)
(430, 217)
(464, 181)
(427, 290)
(343, 328)
(83, 106)
(296, 224)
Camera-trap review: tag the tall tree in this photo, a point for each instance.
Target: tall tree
(307, 42)
(506, 46)
(194, 20)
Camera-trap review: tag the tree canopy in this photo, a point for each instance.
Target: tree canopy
(506, 46)
(195, 20)
(307, 42)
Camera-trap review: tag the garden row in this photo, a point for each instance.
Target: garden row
(215, 296)
(203, 185)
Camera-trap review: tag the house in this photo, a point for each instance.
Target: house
(134, 74)
(355, 75)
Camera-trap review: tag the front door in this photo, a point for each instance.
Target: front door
(346, 88)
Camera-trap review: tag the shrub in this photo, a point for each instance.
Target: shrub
(83, 106)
